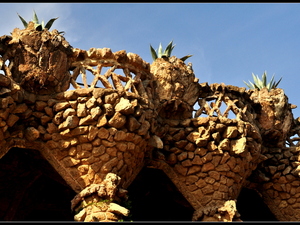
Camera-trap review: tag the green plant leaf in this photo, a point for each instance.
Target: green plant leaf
(259, 83)
(185, 57)
(262, 83)
(167, 52)
(271, 83)
(35, 18)
(153, 53)
(50, 22)
(264, 79)
(272, 79)
(254, 86)
(277, 83)
(23, 21)
(254, 78)
(169, 49)
(159, 51)
(248, 85)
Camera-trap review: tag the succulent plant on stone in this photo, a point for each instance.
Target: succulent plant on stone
(37, 25)
(159, 53)
(42, 60)
(262, 83)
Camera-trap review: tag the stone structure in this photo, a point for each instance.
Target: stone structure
(210, 140)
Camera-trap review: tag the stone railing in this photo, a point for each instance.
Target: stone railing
(135, 70)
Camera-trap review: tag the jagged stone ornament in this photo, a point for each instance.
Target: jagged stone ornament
(210, 140)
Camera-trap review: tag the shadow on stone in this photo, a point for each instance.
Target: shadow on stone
(31, 190)
(252, 208)
(155, 198)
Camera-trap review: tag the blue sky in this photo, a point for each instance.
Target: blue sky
(228, 41)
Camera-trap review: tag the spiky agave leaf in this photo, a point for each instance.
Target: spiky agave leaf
(275, 85)
(264, 79)
(37, 25)
(271, 83)
(169, 49)
(23, 21)
(255, 84)
(262, 83)
(172, 47)
(185, 57)
(35, 18)
(159, 51)
(50, 22)
(153, 53)
(249, 85)
(256, 80)
(166, 53)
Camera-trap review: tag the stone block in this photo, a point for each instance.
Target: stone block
(207, 167)
(118, 120)
(49, 111)
(12, 119)
(59, 106)
(231, 132)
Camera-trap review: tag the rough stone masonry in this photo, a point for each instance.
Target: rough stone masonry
(210, 140)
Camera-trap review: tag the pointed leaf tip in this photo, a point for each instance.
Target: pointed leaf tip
(153, 53)
(159, 51)
(50, 22)
(185, 57)
(23, 21)
(35, 18)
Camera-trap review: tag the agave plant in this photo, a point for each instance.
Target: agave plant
(261, 83)
(166, 53)
(39, 26)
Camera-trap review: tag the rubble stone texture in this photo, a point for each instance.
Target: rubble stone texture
(99, 117)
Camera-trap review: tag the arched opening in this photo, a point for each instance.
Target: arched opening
(252, 207)
(154, 197)
(31, 189)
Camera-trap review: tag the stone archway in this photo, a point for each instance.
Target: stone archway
(31, 189)
(154, 197)
(252, 208)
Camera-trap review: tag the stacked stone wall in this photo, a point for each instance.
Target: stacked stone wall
(209, 159)
(101, 133)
